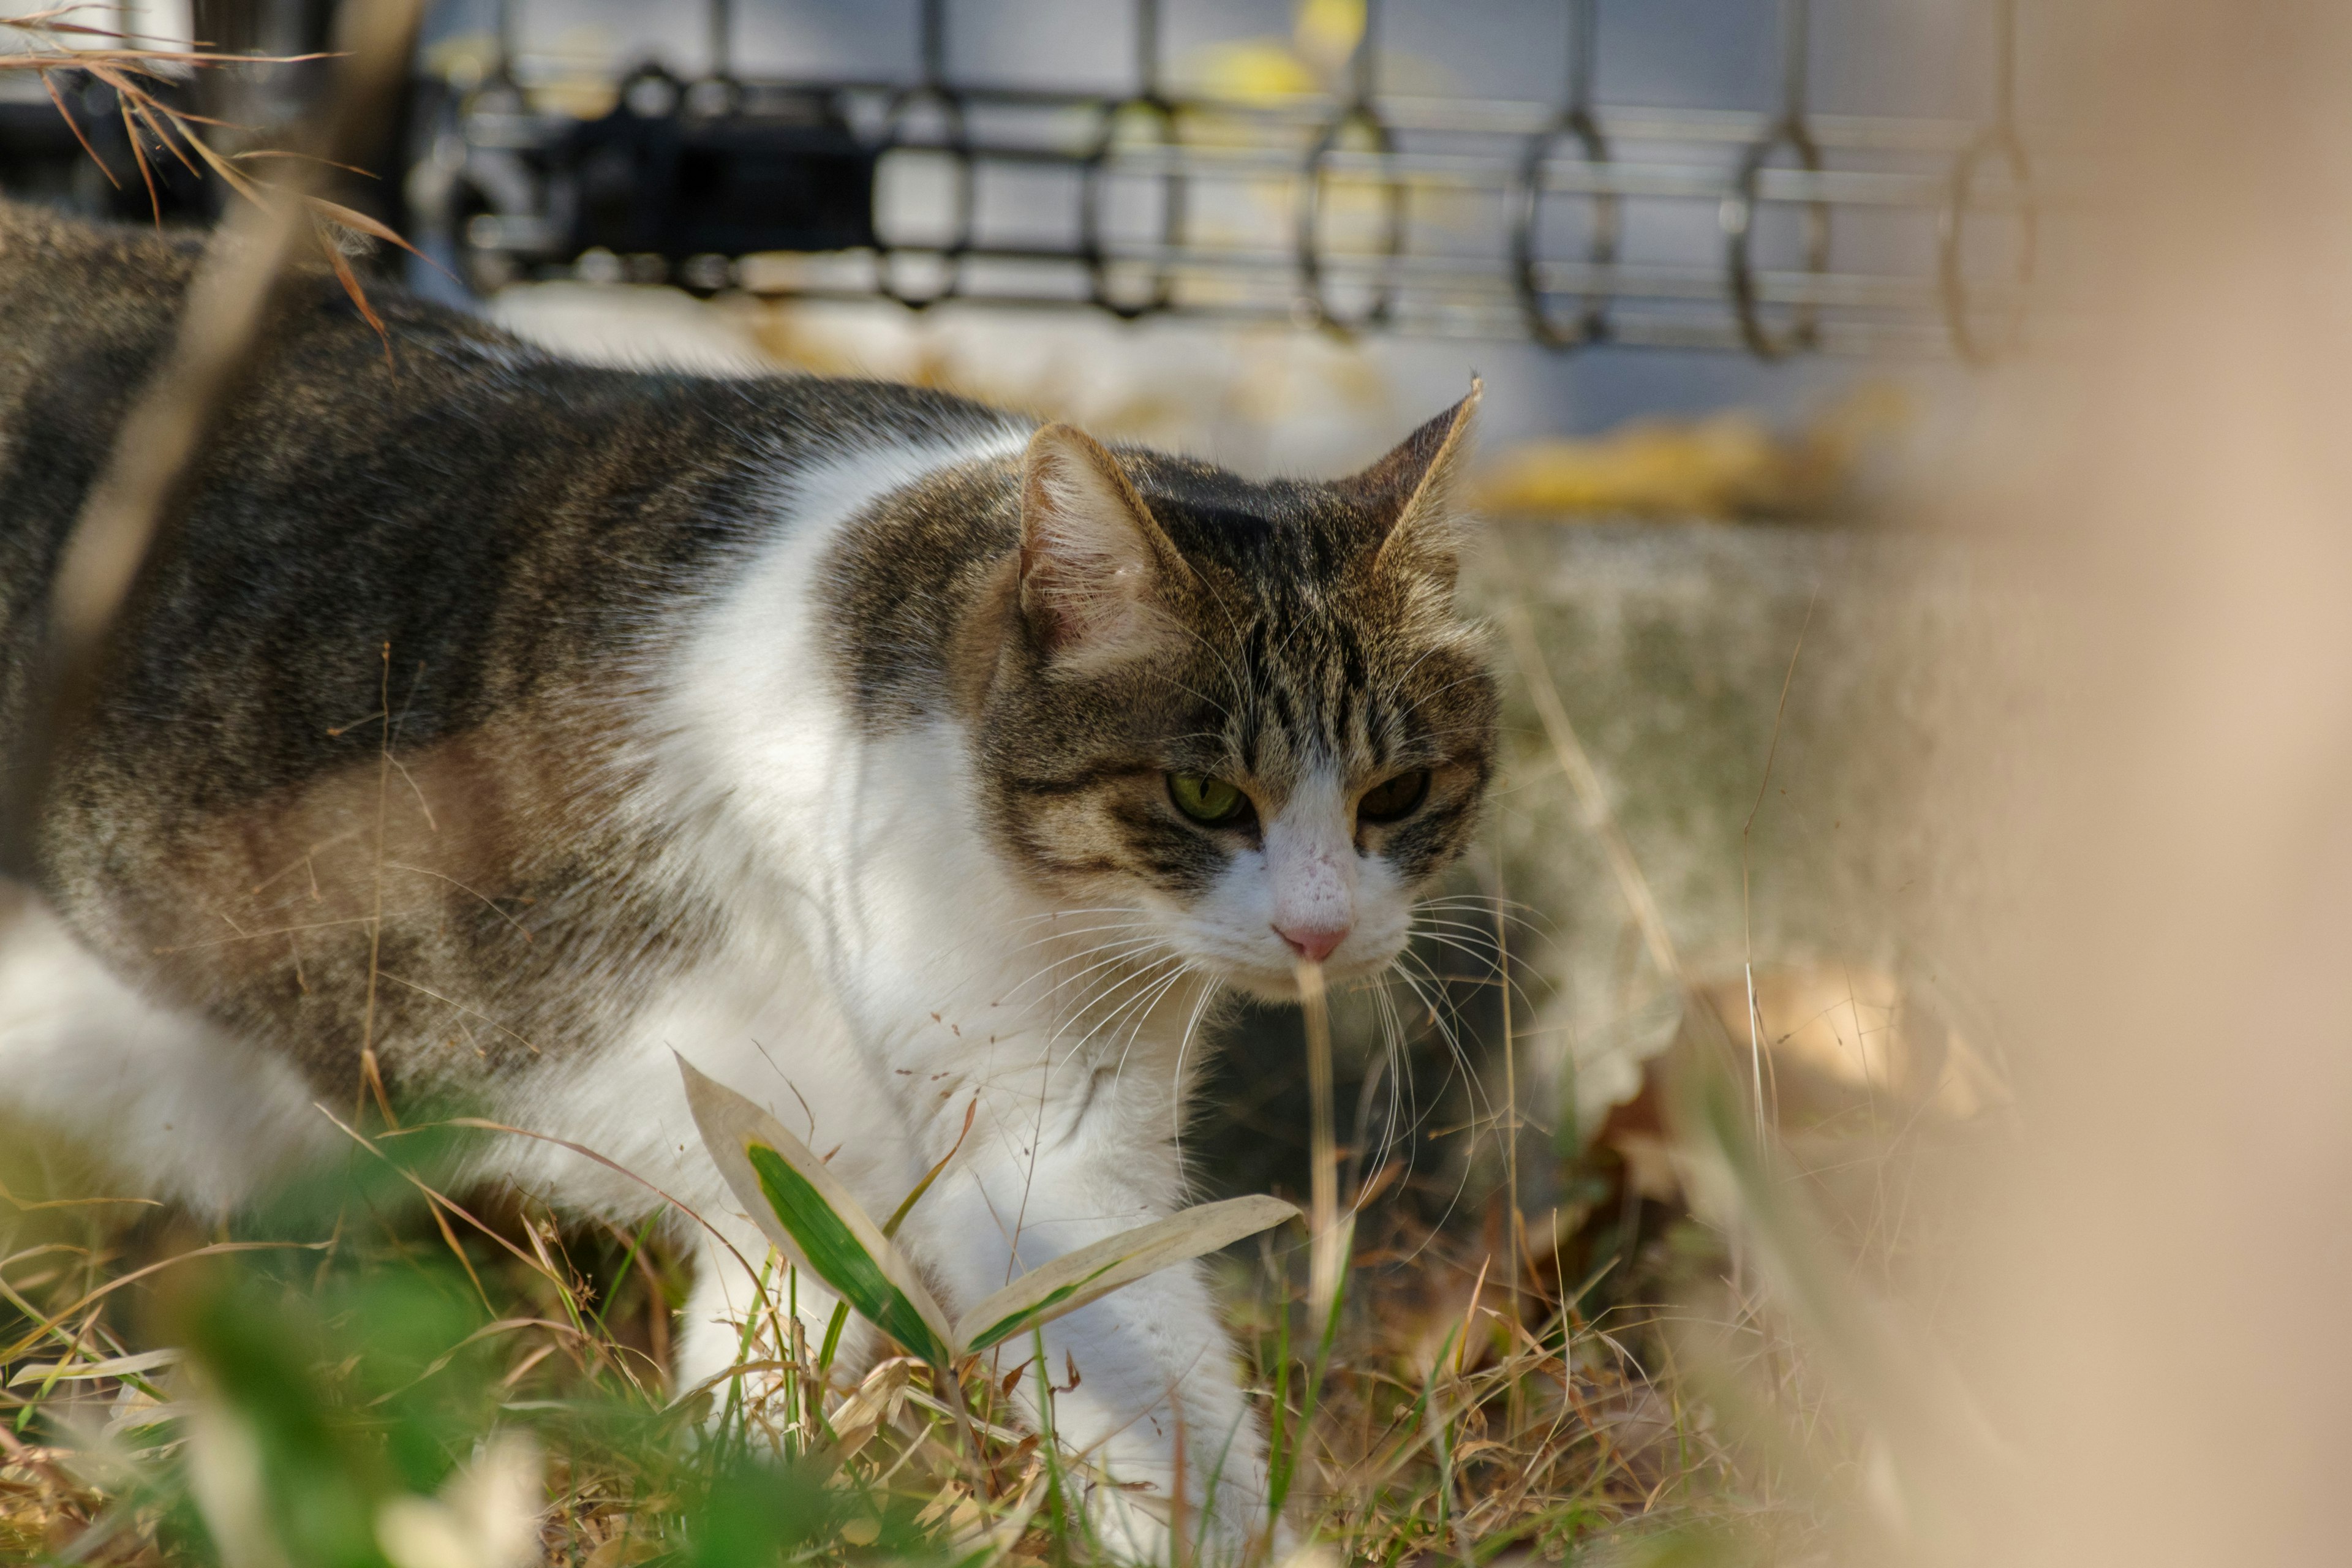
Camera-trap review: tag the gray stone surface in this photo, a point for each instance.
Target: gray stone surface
(1669, 645)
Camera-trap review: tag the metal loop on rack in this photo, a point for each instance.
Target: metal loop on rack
(1592, 324)
(1312, 297)
(958, 149)
(1958, 314)
(1091, 249)
(1739, 217)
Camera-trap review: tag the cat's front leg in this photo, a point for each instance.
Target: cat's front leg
(1145, 1379)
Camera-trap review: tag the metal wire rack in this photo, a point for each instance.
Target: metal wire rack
(1361, 207)
(1353, 210)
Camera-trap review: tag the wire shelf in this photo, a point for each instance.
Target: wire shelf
(1568, 221)
(1353, 210)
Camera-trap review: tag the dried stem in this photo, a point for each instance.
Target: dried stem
(1329, 1251)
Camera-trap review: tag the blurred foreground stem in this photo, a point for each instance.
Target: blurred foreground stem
(1329, 1244)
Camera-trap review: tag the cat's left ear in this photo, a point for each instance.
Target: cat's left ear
(1414, 495)
(1097, 572)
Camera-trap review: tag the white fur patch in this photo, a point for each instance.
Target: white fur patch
(169, 1105)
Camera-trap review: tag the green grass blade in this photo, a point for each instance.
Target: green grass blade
(803, 1207)
(835, 1256)
(1072, 1280)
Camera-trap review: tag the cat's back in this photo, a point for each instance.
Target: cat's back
(492, 511)
(84, 309)
(65, 283)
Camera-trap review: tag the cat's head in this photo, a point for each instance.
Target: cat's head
(1248, 713)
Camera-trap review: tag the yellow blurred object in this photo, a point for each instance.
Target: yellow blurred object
(1313, 61)
(577, 73)
(1268, 69)
(1256, 70)
(1328, 31)
(1724, 466)
(464, 60)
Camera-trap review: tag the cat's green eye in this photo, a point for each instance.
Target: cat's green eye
(1395, 799)
(1206, 800)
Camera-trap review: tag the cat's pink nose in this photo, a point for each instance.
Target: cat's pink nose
(1313, 943)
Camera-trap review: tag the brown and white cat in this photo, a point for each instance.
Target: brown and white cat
(512, 724)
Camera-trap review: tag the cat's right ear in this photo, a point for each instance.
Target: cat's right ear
(1095, 570)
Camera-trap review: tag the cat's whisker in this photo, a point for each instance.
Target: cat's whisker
(1482, 966)
(1062, 933)
(1426, 924)
(1517, 915)
(1471, 1084)
(1065, 931)
(1406, 1116)
(1404, 1101)
(1476, 903)
(1399, 1130)
(1060, 913)
(1406, 1084)
(1483, 902)
(1490, 956)
(1122, 960)
(1088, 1033)
(1444, 1012)
(1109, 934)
(1359, 1143)
(1479, 913)
(1141, 1014)
(1115, 940)
(1184, 1046)
(1140, 982)
(1057, 937)
(1115, 949)
(1487, 955)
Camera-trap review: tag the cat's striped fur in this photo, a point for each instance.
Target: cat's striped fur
(515, 723)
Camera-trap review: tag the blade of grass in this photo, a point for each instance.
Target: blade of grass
(620, 1275)
(1091, 1272)
(75, 126)
(139, 156)
(803, 1209)
(1326, 1260)
(219, 1249)
(824, 1233)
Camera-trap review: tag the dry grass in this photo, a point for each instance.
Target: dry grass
(377, 1339)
